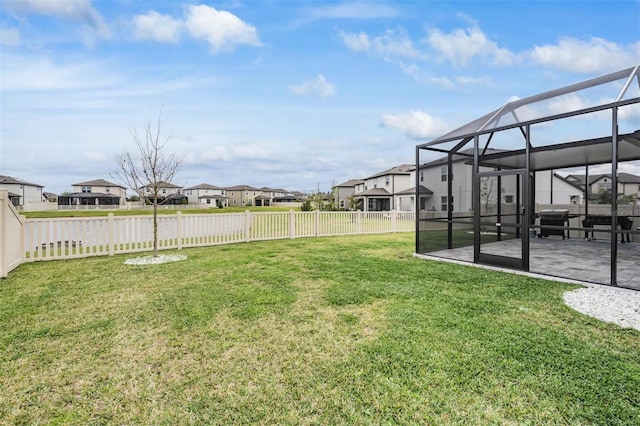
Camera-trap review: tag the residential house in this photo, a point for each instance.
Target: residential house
(343, 194)
(242, 195)
(94, 192)
(380, 191)
(20, 191)
(268, 195)
(628, 184)
(50, 197)
(168, 193)
(207, 194)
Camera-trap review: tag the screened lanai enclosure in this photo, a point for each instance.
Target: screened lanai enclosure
(548, 184)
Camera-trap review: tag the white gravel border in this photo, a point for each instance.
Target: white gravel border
(150, 260)
(615, 305)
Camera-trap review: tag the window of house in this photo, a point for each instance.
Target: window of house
(107, 190)
(422, 176)
(86, 189)
(375, 183)
(575, 199)
(443, 174)
(606, 186)
(443, 203)
(164, 191)
(508, 199)
(342, 204)
(208, 200)
(387, 180)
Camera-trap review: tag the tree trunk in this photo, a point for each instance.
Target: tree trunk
(155, 226)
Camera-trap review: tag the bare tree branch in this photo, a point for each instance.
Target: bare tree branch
(150, 171)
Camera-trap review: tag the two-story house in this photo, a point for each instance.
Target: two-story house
(168, 193)
(22, 192)
(207, 194)
(242, 195)
(628, 184)
(343, 194)
(94, 192)
(267, 196)
(380, 191)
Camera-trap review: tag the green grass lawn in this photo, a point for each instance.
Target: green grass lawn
(343, 330)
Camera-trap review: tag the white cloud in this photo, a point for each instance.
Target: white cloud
(21, 72)
(357, 42)
(72, 10)
(393, 43)
(416, 124)
(318, 87)
(9, 36)
(461, 47)
(222, 30)
(156, 26)
(594, 55)
(566, 103)
(353, 10)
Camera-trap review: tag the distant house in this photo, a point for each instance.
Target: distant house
(93, 193)
(242, 195)
(343, 193)
(268, 195)
(628, 184)
(49, 197)
(21, 192)
(207, 194)
(380, 191)
(168, 194)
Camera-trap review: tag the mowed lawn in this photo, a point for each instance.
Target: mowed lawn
(342, 330)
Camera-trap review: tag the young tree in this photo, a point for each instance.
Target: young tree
(150, 168)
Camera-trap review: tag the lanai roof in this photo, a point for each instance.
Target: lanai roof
(615, 89)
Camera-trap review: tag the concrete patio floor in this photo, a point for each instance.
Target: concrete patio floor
(571, 259)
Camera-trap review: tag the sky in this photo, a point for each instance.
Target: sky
(296, 95)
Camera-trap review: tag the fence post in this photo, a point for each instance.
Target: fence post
(292, 224)
(179, 229)
(317, 222)
(359, 222)
(247, 226)
(393, 221)
(110, 226)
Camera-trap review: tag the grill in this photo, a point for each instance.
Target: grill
(553, 218)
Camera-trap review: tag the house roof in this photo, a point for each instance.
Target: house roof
(381, 192)
(350, 183)
(163, 184)
(622, 178)
(571, 182)
(205, 186)
(15, 181)
(423, 190)
(402, 169)
(241, 188)
(98, 182)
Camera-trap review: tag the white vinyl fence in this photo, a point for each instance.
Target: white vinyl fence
(64, 238)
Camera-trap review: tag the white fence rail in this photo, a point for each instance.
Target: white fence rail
(65, 238)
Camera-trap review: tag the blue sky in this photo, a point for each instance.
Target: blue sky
(287, 94)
